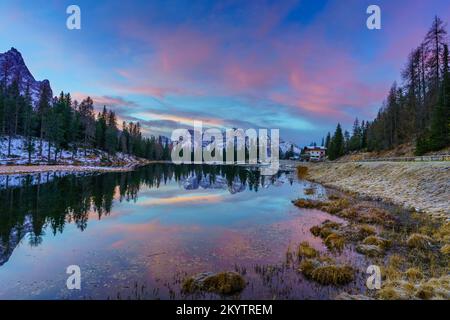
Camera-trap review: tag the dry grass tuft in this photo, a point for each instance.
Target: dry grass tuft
(419, 241)
(308, 204)
(306, 251)
(378, 241)
(414, 274)
(302, 172)
(443, 233)
(315, 230)
(335, 242)
(370, 250)
(307, 266)
(225, 283)
(333, 275)
(325, 229)
(336, 206)
(365, 230)
(434, 288)
(367, 213)
(445, 249)
(333, 197)
(396, 261)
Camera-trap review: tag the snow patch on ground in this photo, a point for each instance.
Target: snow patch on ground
(14, 152)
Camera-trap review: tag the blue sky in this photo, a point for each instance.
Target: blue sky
(299, 66)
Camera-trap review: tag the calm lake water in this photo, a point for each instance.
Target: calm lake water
(139, 234)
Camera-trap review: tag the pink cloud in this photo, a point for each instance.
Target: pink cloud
(103, 100)
(301, 69)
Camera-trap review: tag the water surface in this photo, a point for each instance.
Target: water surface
(138, 234)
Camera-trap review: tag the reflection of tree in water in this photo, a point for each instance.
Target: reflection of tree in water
(30, 208)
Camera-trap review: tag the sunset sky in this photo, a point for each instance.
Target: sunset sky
(300, 66)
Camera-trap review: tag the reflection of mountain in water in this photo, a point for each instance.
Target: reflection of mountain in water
(210, 182)
(236, 185)
(15, 236)
(31, 203)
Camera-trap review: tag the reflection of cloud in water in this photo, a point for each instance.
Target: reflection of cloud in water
(212, 198)
(145, 231)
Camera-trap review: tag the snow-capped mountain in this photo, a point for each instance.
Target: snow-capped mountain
(286, 146)
(12, 66)
(15, 237)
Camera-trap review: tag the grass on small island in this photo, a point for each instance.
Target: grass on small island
(224, 283)
(411, 248)
(302, 172)
(322, 269)
(306, 251)
(310, 191)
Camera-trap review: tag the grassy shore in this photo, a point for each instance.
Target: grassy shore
(422, 186)
(411, 248)
(27, 169)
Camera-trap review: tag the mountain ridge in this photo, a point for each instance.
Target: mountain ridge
(13, 66)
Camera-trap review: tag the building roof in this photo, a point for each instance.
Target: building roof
(315, 148)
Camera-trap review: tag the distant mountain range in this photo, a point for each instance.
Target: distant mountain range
(285, 146)
(12, 66)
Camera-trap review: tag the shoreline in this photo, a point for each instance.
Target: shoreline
(419, 186)
(423, 187)
(23, 169)
(28, 169)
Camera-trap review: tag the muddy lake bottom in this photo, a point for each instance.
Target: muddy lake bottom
(139, 234)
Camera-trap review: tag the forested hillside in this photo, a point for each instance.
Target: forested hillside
(416, 111)
(28, 111)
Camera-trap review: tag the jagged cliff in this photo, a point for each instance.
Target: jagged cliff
(13, 67)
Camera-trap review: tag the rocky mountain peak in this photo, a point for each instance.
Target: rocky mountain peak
(12, 67)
